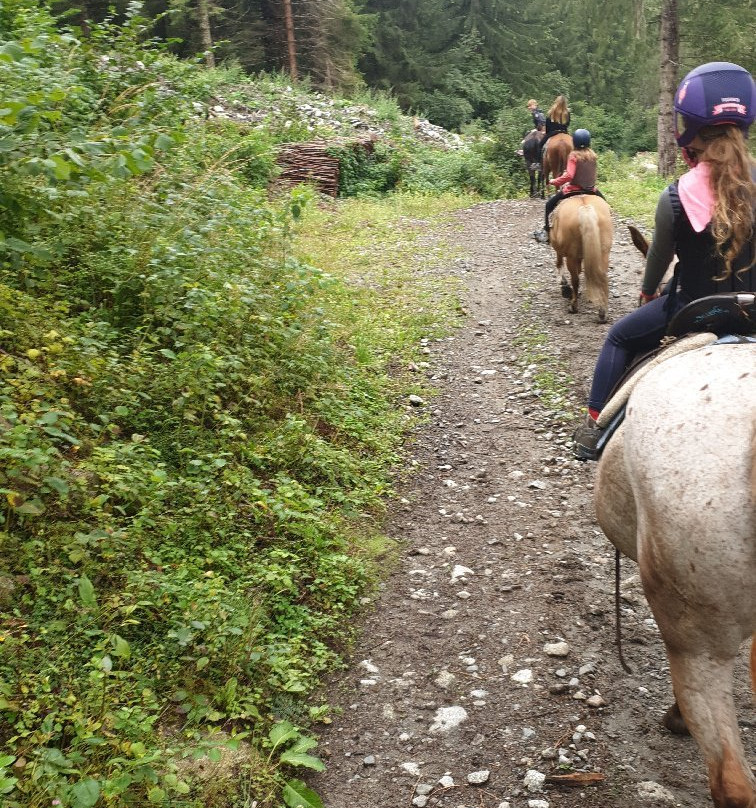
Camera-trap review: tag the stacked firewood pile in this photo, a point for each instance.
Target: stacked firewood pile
(310, 162)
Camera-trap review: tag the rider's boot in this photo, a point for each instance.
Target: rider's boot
(586, 440)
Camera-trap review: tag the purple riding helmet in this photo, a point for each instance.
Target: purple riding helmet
(712, 94)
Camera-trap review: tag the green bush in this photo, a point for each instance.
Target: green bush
(184, 441)
(626, 134)
(467, 170)
(363, 171)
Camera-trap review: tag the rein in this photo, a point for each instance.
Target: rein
(617, 613)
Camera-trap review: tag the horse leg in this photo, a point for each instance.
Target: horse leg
(674, 721)
(703, 688)
(701, 654)
(573, 265)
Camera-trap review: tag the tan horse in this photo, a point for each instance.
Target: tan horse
(558, 148)
(676, 491)
(581, 234)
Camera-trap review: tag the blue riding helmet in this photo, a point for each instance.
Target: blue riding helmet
(712, 94)
(581, 139)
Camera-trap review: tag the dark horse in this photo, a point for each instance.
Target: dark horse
(529, 151)
(558, 148)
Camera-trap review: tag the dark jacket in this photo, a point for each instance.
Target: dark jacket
(553, 127)
(699, 263)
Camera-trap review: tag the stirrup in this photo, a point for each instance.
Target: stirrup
(588, 440)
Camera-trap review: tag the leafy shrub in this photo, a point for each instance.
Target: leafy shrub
(183, 441)
(627, 133)
(468, 170)
(363, 171)
(446, 109)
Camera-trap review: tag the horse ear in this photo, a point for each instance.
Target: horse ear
(640, 241)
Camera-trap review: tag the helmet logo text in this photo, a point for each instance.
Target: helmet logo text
(720, 109)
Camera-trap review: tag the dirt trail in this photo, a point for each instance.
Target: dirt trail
(499, 615)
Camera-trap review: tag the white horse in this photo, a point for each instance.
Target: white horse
(676, 492)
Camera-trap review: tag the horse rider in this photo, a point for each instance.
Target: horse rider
(557, 120)
(706, 219)
(539, 119)
(579, 178)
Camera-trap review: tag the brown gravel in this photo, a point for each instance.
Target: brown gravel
(496, 491)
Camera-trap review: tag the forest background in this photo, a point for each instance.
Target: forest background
(206, 378)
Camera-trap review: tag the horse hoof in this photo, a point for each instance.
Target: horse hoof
(674, 721)
(573, 308)
(566, 291)
(602, 316)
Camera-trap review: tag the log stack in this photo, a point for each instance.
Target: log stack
(310, 162)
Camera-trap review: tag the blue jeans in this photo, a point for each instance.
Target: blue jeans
(636, 333)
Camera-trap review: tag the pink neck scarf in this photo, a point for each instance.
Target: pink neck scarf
(696, 196)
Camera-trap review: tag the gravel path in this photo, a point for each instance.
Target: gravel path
(487, 665)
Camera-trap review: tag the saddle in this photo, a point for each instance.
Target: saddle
(717, 319)
(733, 313)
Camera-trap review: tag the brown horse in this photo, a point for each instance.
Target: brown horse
(558, 148)
(581, 234)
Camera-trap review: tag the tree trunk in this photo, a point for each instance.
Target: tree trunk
(206, 35)
(290, 41)
(669, 47)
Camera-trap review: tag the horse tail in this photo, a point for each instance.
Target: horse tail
(596, 278)
(753, 465)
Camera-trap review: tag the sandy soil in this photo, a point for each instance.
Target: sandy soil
(499, 614)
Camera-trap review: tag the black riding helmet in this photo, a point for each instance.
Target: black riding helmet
(581, 139)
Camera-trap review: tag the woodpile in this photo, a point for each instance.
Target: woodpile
(310, 162)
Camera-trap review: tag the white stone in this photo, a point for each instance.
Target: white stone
(649, 790)
(505, 662)
(411, 768)
(556, 649)
(534, 780)
(460, 572)
(447, 719)
(523, 676)
(478, 778)
(445, 679)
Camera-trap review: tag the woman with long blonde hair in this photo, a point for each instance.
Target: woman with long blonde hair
(705, 219)
(557, 120)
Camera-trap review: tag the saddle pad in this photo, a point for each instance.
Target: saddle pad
(681, 345)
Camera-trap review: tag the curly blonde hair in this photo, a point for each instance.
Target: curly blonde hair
(732, 222)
